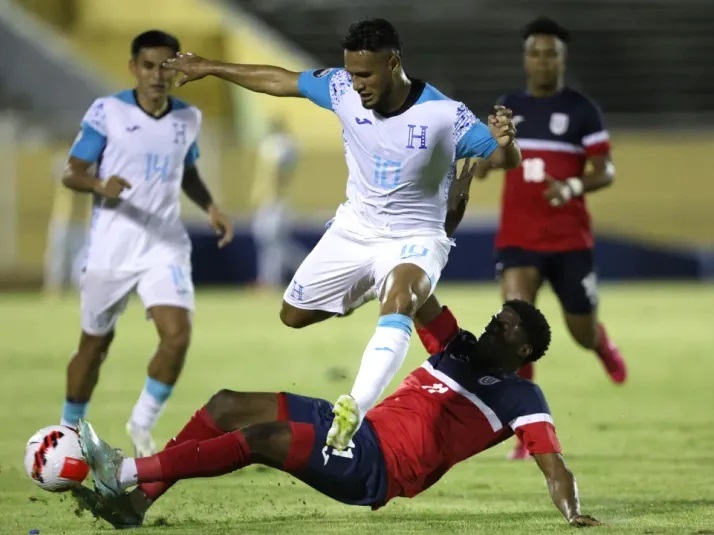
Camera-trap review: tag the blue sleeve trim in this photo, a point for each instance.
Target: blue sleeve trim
(192, 155)
(476, 143)
(315, 86)
(89, 144)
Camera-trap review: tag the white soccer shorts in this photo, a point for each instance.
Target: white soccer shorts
(345, 264)
(105, 294)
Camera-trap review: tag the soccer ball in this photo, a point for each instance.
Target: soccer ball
(53, 459)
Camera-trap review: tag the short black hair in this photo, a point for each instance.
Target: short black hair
(535, 325)
(546, 26)
(154, 39)
(373, 35)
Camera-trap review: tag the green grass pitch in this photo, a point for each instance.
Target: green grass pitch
(643, 453)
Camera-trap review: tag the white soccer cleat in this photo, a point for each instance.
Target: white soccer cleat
(345, 424)
(144, 445)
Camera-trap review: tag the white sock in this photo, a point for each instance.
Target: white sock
(127, 474)
(381, 360)
(151, 401)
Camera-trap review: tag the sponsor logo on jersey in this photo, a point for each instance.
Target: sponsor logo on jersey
(320, 73)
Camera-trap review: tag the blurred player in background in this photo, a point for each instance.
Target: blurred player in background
(275, 167)
(544, 231)
(66, 236)
(458, 404)
(143, 143)
(402, 138)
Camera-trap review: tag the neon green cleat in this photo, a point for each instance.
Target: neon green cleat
(346, 422)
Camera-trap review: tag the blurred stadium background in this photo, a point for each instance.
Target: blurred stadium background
(649, 69)
(642, 453)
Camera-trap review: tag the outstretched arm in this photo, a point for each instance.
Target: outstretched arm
(563, 489)
(267, 79)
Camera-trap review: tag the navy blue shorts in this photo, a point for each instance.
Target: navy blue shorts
(355, 476)
(571, 274)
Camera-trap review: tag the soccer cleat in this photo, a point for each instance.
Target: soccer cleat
(103, 460)
(345, 424)
(519, 453)
(117, 510)
(144, 445)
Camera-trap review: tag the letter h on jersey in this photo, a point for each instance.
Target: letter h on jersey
(179, 133)
(414, 136)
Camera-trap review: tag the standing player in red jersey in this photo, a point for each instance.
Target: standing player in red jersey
(459, 403)
(544, 231)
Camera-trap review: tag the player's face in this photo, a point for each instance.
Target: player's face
(152, 80)
(503, 340)
(372, 75)
(544, 59)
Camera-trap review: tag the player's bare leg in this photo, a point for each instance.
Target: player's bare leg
(297, 318)
(83, 374)
(590, 334)
(173, 325)
(406, 289)
(521, 283)
(225, 412)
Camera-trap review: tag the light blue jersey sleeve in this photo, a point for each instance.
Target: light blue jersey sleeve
(89, 144)
(192, 155)
(92, 137)
(315, 86)
(473, 138)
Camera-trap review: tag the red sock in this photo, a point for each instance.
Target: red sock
(207, 458)
(604, 345)
(439, 331)
(527, 371)
(303, 439)
(200, 427)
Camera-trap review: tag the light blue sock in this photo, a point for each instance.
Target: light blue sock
(72, 412)
(151, 401)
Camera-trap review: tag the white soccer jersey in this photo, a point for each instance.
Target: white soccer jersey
(401, 166)
(143, 228)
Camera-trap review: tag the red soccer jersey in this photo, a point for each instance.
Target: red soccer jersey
(556, 135)
(445, 412)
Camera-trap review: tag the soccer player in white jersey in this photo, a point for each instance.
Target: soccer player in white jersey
(135, 152)
(402, 140)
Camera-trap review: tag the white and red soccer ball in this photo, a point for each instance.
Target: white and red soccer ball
(53, 459)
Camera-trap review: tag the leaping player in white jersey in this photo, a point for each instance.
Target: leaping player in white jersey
(135, 152)
(402, 140)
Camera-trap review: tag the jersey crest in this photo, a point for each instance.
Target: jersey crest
(559, 123)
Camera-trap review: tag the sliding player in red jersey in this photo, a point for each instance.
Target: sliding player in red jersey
(459, 403)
